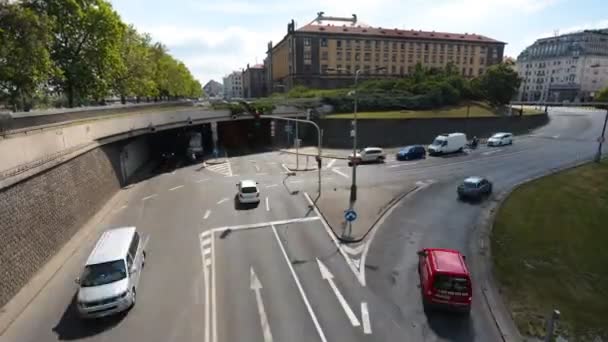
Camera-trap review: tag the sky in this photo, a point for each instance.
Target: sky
(216, 37)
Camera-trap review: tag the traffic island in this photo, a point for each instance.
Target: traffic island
(549, 252)
(371, 204)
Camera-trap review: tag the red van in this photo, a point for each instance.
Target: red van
(445, 279)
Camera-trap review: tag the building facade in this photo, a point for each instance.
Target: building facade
(233, 85)
(568, 67)
(327, 52)
(254, 81)
(213, 89)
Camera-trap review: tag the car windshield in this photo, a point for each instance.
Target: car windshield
(249, 190)
(439, 142)
(104, 273)
(497, 136)
(470, 185)
(451, 283)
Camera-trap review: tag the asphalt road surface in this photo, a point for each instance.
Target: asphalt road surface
(217, 271)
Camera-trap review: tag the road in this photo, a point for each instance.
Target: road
(218, 272)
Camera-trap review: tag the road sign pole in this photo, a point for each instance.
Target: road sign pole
(297, 140)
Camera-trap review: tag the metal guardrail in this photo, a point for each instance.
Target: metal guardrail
(559, 104)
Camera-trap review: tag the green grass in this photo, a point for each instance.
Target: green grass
(550, 251)
(476, 110)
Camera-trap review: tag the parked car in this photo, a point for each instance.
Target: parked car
(500, 139)
(111, 274)
(367, 155)
(411, 152)
(474, 188)
(248, 191)
(445, 281)
(448, 143)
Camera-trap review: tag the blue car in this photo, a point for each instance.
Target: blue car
(411, 152)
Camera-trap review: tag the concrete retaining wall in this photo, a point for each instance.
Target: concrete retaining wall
(387, 133)
(133, 155)
(39, 215)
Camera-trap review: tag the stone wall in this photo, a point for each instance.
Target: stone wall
(40, 214)
(391, 133)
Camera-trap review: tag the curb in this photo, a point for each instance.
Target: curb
(481, 246)
(214, 162)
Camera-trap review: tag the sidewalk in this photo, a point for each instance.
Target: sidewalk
(371, 204)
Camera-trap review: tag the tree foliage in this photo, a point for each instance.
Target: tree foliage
(602, 95)
(499, 84)
(82, 50)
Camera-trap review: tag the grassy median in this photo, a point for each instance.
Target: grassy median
(550, 250)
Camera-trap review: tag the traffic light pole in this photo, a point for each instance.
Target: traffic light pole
(598, 155)
(275, 117)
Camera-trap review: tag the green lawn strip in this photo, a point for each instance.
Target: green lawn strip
(453, 112)
(550, 250)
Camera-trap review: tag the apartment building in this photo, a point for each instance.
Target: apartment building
(568, 67)
(328, 51)
(254, 81)
(233, 85)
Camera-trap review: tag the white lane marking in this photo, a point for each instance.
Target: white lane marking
(148, 197)
(326, 275)
(272, 185)
(202, 180)
(267, 205)
(257, 168)
(121, 208)
(367, 327)
(335, 170)
(295, 181)
(402, 164)
(300, 288)
(349, 262)
(177, 187)
(266, 224)
(207, 213)
(555, 137)
(354, 250)
(206, 251)
(285, 168)
(490, 152)
(379, 223)
(213, 286)
(271, 163)
(205, 241)
(256, 286)
(331, 163)
(222, 200)
(261, 174)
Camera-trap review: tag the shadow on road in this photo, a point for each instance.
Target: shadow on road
(72, 327)
(451, 326)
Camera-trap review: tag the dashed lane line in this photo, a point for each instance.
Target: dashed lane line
(222, 200)
(176, 187)
(207, 213)
(149, 197)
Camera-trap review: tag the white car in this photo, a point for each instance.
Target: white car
(501, 139)
(368, 155)
(248, 191)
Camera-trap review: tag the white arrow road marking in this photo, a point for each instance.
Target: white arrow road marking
(257, 168)
(285, 168)
(326, 274)
(335, 169)
(299, 285)
(207, 213)
(367, 327)
(267, 205)
(331, 163)
(256, 287)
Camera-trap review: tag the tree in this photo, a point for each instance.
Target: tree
(136, 74)
(499, 84)
(602, 95)
(25, 62)
(85, 46)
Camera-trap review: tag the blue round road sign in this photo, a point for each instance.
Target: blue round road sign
(350, 215)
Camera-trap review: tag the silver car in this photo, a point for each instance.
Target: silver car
(108, 284)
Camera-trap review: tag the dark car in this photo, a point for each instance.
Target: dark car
(474, 188)
(411, 152)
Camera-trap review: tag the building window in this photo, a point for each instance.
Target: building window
(441, 59)
(347, 44)
(410, 57)
(367, 57)
(339, 68)
(357, 56)
(426, 46)
(348, 55)
(426, 58)
(357, 44)
(394, 45)
(306, 41)
(339, 55)
(402, 46)
(339, 44)
(441, 47)
(457, 59)
(471, 60)
(480, 71)
(385, 59)
(393, 70)
(458, 48)
(482, 60)
(348, 68)
(401, 70)
(410, 69)
(368, 45)
(433, 59)
(402, 58)
(377, 44)
(386, 43)
(394, 58)
(324, 42)
(307, 57)
(324, 55)
(470, 71)
(377, 57)
(366, 69)
(464, 71)
(324, 68)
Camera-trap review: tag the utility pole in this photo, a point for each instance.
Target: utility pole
(353, 187)
(598, 156)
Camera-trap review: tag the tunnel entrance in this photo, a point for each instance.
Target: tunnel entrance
(245, 136)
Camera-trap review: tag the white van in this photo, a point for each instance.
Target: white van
(111, 274)
(448, 143)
